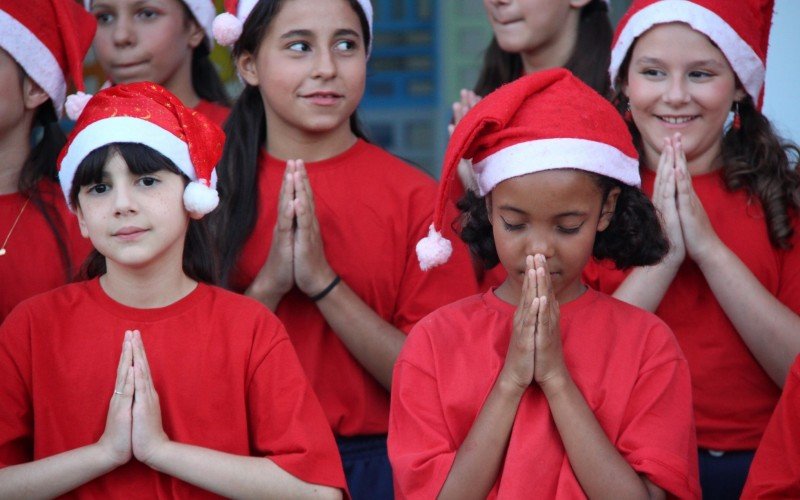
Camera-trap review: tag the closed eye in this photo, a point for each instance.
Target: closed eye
(511, 227)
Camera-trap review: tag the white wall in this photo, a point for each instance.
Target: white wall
(782, 95)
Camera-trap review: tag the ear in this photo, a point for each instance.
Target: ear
(196, 215)
(33, 95)
(82, 222)
(607, 210)
(740, 94)
(196, 34)
(246, 65)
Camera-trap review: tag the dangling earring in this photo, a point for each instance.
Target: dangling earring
(737, 119)
(628, 116)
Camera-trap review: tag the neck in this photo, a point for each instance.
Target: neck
(14, 151)
(180, 84)
(146, 288)
(557, 52)
(309, 147)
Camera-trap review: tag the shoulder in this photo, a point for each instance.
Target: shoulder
(238, 307)
(48, 307)
(387, 165)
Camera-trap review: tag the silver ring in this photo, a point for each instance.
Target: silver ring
(119, 392)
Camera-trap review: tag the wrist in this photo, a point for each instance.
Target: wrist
(509, 386)
(556, 385)
(324, 287)
(107, 458)
(159, 455)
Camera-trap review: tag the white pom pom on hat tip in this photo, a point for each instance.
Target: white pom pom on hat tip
(227, 29)
(199, 199)
(75, 104)
(433, 250)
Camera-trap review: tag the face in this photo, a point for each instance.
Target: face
(310, 69)
(556, 213)
(678, 81)
(523, 26)
(135, 221)
(145, 40)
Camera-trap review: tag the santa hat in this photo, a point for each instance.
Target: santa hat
(202, 10)
(228, 25)
(148, 114)
(49, 39)
(543, 121)
(739, 28)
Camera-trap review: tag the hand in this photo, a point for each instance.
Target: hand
(549, 355)
(664, 199)
(116, 438)
(148, 432)
(700, 237)
(276, 276)
(519, 364)
(460, 109)
(312, 273)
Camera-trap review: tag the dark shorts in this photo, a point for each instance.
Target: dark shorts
(722, 474)
(366, 467)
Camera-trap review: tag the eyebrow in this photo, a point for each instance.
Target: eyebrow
(655, 60)
(571, 213)
(304, 33)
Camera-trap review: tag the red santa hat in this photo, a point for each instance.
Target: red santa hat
(740, 28)
(148, 114)
(49, 39)
(543, 121)
(228, 25)
(203, 11)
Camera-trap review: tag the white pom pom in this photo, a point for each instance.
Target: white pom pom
(200, 199)
(227, 28)
(75, 104)
(433, 250)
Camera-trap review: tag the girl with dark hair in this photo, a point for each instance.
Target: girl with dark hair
(327, 242)
(162, 41)
(531, 35)
(209, 397)
(40, 244)
(571, 393)
(728, 196)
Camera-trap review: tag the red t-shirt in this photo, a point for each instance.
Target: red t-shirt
(33, 263)
(775, 472)
(733, 396)
(226, 375)
(625, 362)
(213, 111)
(372, 209)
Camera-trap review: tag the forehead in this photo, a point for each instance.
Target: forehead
(678, 39)
(315, 15)
(549, 191)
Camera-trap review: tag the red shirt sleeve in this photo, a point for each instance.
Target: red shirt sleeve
(16, 415)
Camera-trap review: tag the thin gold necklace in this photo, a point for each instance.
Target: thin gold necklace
(10, 231)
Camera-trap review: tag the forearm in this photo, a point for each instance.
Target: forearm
(769, 328)
(480, 456)
(374, 342)
(55, 475)
(263, 294)
(601, 471)
(645, 287)
(233, 475)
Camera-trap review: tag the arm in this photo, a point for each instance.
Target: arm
(61, 473)
(645, 286)
(600, 469)
(769, 328)
(222, 473)
(480, 456)
(374, 342)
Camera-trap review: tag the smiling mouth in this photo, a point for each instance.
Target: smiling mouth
(677, 120)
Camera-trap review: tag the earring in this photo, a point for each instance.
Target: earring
(737, 119)
(628, 116)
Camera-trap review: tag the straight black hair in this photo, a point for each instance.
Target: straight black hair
(199, 262)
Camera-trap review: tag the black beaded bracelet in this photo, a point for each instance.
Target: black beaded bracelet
(321, 295)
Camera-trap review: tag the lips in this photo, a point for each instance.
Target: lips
(129, 232)
(323, 98)
(677, 120)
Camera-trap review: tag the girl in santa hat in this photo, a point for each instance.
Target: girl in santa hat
(327, 241)
(145, 381)
(543, 387)
(531, 35)
(41, 50)
(163, 41)
(728, 194)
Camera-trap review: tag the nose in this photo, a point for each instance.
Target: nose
(540, 242)
(123, 33)
(676, 92)
(124, 201)
(324, 64)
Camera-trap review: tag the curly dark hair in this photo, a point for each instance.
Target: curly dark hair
(755, 159)
(634, 236)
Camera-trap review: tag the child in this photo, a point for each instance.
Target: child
(573, 393)
(728, 195)
(208, 393)
(775, 472)
(163, 41)
(328, 244)
(41, 50)
(531, 35)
